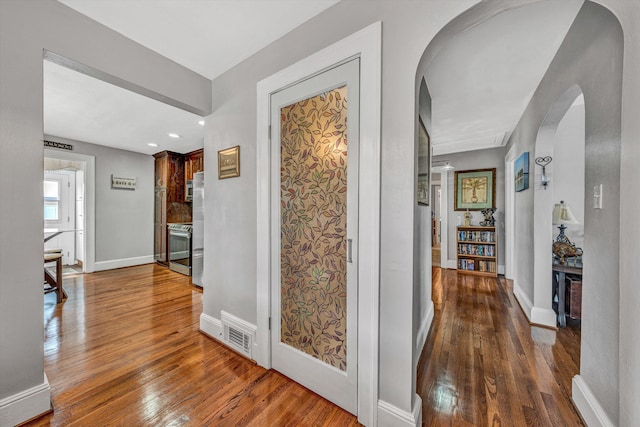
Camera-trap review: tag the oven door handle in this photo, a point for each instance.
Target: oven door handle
(184, 234)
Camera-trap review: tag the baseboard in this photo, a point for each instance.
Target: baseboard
(452, 264)
(124, 262)
(25, 405)
(501, 269)
(389, 415)
(211, 326)
(525, 303)
(590, 409)
(424, 329)
(544, 317)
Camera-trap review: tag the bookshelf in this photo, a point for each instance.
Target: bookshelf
(477, 250)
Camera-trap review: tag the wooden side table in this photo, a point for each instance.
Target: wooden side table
(559, 282)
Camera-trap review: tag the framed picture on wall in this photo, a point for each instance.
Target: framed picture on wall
(475, 189)
(522, 172)
(229, 162)
(424, 164)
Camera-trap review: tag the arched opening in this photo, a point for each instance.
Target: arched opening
(588, 61)
(549, 143)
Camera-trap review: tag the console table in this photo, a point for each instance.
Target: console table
(559, 282)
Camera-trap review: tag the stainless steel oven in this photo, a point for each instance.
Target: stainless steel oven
(180, 248)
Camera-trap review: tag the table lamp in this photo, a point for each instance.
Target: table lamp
(562, 215)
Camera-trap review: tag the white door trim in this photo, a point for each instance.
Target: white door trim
(89, 240)
(510, 209)
(367, 45)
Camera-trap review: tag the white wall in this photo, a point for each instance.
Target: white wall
(124, 218)
(26, 29)
(590, 57)
(568, 170)
(480, 159)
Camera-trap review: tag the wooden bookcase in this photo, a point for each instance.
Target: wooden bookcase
(477, 249)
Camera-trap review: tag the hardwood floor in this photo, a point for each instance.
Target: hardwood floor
(483, 364)
(124, 349)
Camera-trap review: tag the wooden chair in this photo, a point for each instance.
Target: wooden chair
(55, 284)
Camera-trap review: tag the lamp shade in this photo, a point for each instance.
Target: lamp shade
(562, 214)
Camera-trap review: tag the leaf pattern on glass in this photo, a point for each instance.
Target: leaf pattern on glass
(313, 197)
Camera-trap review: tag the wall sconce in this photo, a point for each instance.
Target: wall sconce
(544, 161)
(443, 165)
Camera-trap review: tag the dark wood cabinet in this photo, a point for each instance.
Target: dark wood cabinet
(194, 162)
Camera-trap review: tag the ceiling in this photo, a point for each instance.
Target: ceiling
(483, 78)
(480, 81)
(83, 108)
(208, 37)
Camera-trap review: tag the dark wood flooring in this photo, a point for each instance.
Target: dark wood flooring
(484, 365)
(125, 350)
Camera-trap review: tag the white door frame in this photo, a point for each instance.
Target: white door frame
(510, 213)
(89, 240)
(444, 214)
(367, 45)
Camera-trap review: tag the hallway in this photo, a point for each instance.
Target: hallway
(483, 364)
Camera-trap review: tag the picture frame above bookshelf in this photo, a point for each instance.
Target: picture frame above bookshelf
(477, 250)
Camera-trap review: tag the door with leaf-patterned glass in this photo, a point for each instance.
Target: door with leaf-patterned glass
(314, 229)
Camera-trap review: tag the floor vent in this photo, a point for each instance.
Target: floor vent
(237, 335)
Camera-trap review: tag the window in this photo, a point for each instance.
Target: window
(51, 200)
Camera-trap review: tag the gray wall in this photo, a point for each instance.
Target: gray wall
(124, 218)
(422, 303)
(480, 159)
(590, 56)
(230, 238)
(26, 28)
(629, 15)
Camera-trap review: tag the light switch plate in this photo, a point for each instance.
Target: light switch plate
(597, 196)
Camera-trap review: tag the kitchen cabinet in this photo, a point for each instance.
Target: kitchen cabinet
(193, 163)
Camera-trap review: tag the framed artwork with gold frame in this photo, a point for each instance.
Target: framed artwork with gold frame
(475, 189)
(229, 162)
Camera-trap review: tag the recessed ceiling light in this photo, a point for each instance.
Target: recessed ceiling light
(201, 122)
(174, 135)
(151, 144)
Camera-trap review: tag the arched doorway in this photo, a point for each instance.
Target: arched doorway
(545, 198)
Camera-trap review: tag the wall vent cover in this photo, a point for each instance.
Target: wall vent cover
(237, 335)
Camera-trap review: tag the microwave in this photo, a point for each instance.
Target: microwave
(188, 191)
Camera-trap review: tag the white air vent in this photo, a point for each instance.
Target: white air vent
(238, 334)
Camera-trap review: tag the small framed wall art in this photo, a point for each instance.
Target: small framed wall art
(122, 183)
(522, 172)
(475, 189)
(229, 162)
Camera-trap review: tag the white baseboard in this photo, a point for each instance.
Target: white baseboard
(392, 416)
(535, 315)
(211, 326)
(544, 317)
(525, 303)
(124, 262)
(590, 409)
(501, 269)
(452, 264)
(25, 405)
(424, 329)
